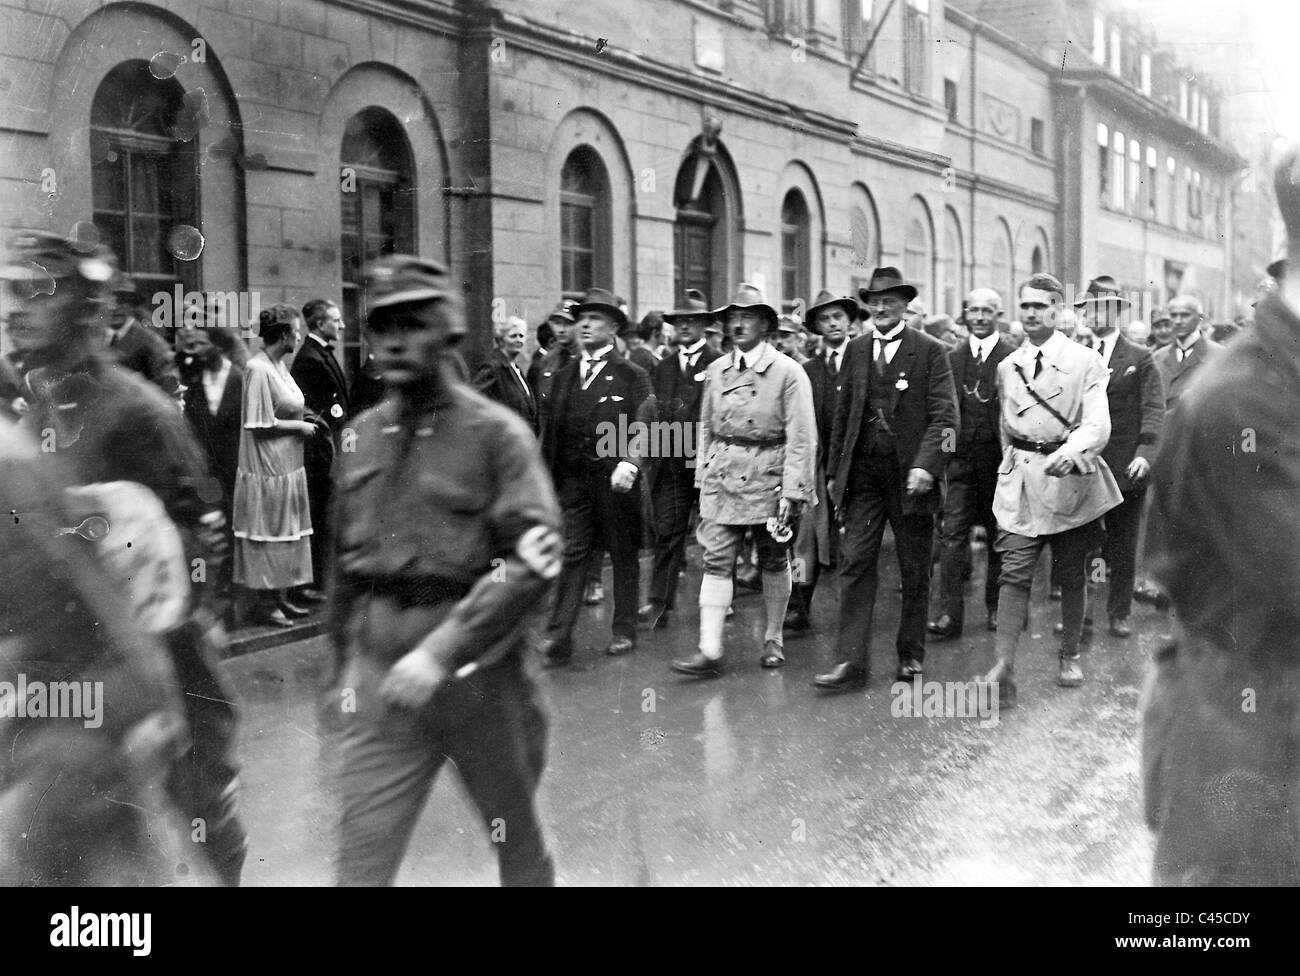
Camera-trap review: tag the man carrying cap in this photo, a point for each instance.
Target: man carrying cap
(757, 468)
(972, 475)
(1053, 485)
(446, 529)
(896, 424)
(678, 385)
(817, 543)
(1135, 397)
(592, 444)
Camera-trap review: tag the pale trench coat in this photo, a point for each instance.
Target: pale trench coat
(1028, 501)
(741, 484)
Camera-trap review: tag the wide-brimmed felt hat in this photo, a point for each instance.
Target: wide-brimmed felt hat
(1102, 289)
(749, 297)
(600, 300)
(824, 300)
(692, 305)
(885, 280)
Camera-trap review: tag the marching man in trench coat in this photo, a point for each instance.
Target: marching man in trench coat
(757, 462)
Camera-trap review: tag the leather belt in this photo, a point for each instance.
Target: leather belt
(750, 441)
(411, 591)
(1038, 447)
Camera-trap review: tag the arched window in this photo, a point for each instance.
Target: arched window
(144, 174)
(866, 243)
(1036, 260)
(1001, 268)
(584, 224)
(951, 266)
(918, 252)
(796, 276)
(378, 206)
(704, 235)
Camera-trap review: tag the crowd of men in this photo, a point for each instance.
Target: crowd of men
(464, 501)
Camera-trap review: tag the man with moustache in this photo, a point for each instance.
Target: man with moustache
(1136, 399)
(895, 426)
(590, 444)
(446, 532)
(756, 470)
(1179, 361)
(1053, 485)
(973, 469)
(818, 540)
(678, 381)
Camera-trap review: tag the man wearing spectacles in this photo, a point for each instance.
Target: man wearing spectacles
(973, 469)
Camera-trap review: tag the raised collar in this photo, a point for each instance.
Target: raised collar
(758, 359)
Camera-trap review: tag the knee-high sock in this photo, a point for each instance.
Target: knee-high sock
(1072, 603)
(1013, 616)
(776, 598)
(715, 597)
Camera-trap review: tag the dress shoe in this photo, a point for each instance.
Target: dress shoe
(843, 677)
(908, 668)
(1058, 628)
(1071, 672)
(653, 615)
(620, 645)
(1146, 593)
(595, 593)
(945, 628)
(698, 666)
(273, 617)
(1054, 593)
(796, 620)
(309, 594)
(1119, 628)
(773, 655)
(993, 620)
(292, 610)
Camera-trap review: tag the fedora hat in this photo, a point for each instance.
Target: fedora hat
(825, 300)
(692, 305)
(887, 280)
(600, 300)
(749, 297)
(1102, 289)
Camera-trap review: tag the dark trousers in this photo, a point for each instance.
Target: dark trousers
(672, 498)
(874, 496)
(1120, 552)
(596, 515)
(489, 725)
(972, 481)
(320, 486)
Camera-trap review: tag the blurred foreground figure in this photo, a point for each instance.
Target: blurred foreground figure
(128, 450)
(446, 536)
(1221, 733)
(90, 716)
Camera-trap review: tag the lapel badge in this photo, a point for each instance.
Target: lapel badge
(902, 382)
(336, 411)
(699, 377)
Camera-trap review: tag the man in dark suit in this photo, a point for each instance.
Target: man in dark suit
(134, 344)
(325, 390)
(590, 443)
(1179, 361)
(678, 380)
(501, 379)
(1136, 396)
(896, 414)
(817, 543)
(213, 406)
(972, 475)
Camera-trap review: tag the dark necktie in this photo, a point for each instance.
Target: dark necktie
(835, 362)
(740, 364)
(1101, 350)
(979, 357)
(1038, 364)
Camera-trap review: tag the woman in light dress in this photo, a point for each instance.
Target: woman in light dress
(272, 519)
